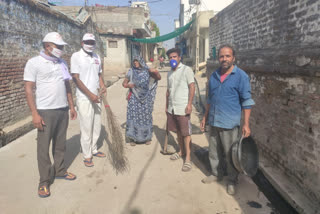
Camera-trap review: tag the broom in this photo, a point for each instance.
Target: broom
(116, 147)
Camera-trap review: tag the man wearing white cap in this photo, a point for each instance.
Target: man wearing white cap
(49, 74)
(87, 74)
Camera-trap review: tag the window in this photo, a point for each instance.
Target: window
(113, 44)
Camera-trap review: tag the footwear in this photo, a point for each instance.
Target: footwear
(231, 189)
(209, 179)
(88, 162)
(148, 142)
(44, 191)
(67, 176)
(186, 166)
(99, 155)
(133, 143)
(175, 156)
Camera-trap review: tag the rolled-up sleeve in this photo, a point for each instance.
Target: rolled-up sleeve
(245, 93)
(189, 75)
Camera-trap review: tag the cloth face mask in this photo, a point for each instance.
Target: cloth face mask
(89, 48)
(57, 52)
(173, 63)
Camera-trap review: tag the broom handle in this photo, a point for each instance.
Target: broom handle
(104, 100)
(166, 139)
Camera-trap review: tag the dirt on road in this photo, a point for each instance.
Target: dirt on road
(153, 184)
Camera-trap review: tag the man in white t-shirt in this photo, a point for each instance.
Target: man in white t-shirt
(87, 74)
(49, 74)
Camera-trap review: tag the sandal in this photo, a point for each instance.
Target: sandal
(186, 166)
(175, 156)
(99, 155)
(67, 176)
(88, 162)
(44, 191)
(133, 143)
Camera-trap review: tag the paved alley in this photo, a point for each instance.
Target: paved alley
(154, 184)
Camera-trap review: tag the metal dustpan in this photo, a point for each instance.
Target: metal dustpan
(245, 156)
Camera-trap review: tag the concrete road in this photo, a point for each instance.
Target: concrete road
(154, 184)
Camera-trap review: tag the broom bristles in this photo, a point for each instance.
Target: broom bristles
(116, 147)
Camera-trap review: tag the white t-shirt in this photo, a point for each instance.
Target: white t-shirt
(88, 69)
(178, 85)
(51, 91)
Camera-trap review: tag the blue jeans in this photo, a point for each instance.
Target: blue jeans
(220, 142)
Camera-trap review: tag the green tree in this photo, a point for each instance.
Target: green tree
(154, 27)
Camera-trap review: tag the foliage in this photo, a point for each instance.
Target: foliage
(163, 52)
(154, 27)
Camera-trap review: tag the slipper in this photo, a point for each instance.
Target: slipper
(67, 176)
(99, 155)
(88, 162)
(44, 191)
(175, 156)
(186, 166)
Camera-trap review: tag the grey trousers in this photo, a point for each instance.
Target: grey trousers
(55, 129)
(220, 143)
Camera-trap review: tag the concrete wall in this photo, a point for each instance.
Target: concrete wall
(190, 36)
(277, 43)
(23, 24)
(117, 59)
(121, 20)
(205, 5)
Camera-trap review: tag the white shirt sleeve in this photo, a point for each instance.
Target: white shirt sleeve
(74, 64)
(100, 64)
(30, 72)
(189, 75)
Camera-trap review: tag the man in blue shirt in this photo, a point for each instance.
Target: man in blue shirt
(229, 94)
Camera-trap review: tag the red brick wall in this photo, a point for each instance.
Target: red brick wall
(12, 98)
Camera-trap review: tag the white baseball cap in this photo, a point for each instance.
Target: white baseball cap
(55, 38)
(88, 36)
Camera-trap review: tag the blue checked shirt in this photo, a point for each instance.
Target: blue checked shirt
(228, 98)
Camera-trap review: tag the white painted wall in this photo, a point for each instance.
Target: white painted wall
(117, 59)
(215, 5)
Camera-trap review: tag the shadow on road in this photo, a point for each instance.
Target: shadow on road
(160, 134)
(127, 208)
(72, 149)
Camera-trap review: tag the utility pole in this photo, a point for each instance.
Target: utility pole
(197, 37)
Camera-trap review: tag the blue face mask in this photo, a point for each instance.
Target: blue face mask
(173, 63)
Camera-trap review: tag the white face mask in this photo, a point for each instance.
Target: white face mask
(56, 52)
(89, 48)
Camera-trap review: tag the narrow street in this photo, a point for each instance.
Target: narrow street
(154, 184)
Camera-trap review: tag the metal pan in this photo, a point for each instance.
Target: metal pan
(245, 156)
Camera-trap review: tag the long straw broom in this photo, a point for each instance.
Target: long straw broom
(116, 147)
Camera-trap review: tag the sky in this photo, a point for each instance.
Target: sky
(163, 12)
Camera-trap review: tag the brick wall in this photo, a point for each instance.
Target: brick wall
(23, 25)
(277, 44)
